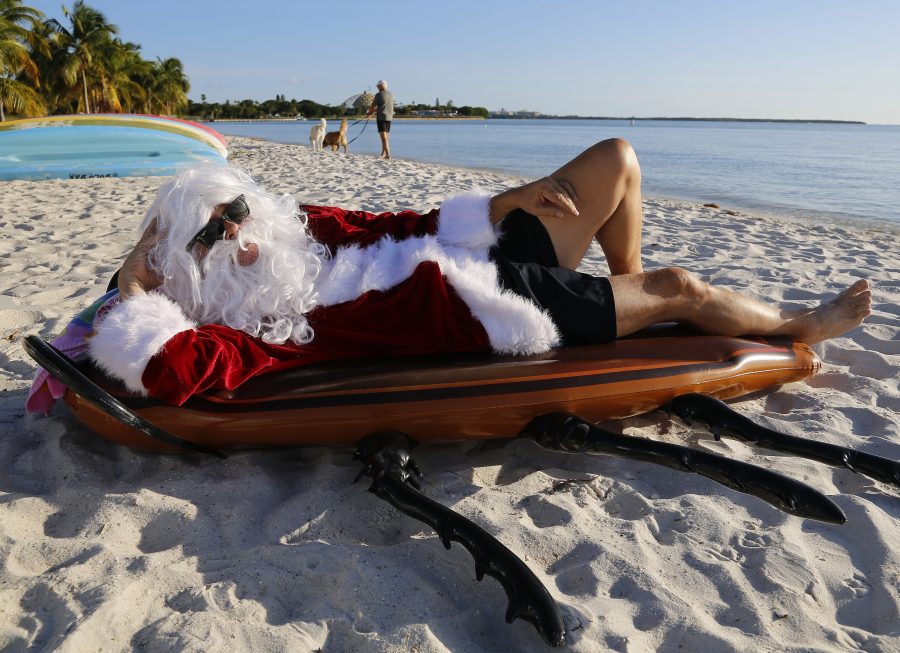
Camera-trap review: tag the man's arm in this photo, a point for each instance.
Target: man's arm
(335, 227)
(136, 277)
(148, 343)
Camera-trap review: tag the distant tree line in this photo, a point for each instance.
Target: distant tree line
(79, 65)
(440, 110)
(252, 109)
(281, 107)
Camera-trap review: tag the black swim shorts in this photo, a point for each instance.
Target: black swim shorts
(383, 125)
(581, 305)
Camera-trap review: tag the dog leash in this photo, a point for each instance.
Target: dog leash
(361, 130)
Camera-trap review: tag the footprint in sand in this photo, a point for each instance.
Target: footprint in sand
(857, 585)
(47, 617)
(624, 503)
(650, 608)
(165, 531)
(189, 600)
(666, 525)
(573, 576)
(725, 554)
(545, 513)
(70, 521)
(755, 541)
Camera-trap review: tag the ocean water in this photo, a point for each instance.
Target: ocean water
(823, 172)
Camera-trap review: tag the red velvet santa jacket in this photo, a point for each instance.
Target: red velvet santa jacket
(397, 284)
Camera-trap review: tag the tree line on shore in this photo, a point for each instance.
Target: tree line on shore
(281, 107)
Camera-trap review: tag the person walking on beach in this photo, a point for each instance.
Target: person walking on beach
(384, 105)
(481, 273)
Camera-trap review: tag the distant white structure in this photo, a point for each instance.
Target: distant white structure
(517, 114)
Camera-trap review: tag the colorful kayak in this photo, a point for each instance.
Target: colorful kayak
(457, 397)
(104, 145)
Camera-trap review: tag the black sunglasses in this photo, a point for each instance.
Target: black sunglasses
(236, 212)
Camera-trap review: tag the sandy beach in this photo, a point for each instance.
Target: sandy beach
(108, 549)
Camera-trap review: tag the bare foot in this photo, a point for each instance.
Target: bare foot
(835, 317)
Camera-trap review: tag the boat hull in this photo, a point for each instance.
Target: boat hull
(462, 398)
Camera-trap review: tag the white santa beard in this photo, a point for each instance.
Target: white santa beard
(267, 299)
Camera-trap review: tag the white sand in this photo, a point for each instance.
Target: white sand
(105, 549)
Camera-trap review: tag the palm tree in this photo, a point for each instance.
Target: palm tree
(119, 77)
(83, 42)
(133, 69)
(49, 58)
(20, 98)
(170, 85)
(16, 61)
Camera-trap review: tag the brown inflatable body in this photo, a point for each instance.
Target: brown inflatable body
(461, 397)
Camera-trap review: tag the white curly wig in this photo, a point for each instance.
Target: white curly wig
(267, 298)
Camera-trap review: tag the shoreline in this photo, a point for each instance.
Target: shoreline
(802, 121)
(106, 548)
(313, 120)
(799, 121)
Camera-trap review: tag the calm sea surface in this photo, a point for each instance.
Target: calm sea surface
(837, 173)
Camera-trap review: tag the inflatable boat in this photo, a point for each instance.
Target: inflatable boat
(453, 397)
(104, 145)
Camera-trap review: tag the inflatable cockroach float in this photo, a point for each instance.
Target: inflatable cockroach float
(383, 408)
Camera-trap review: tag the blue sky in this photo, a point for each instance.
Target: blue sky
(763, 59)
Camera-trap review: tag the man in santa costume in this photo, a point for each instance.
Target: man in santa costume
(229, 281)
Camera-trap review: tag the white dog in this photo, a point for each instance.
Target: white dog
(317, 135)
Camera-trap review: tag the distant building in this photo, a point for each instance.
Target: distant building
(505, 113)
(433, 113)
(362, 102)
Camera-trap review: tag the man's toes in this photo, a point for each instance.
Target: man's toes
(858, 287)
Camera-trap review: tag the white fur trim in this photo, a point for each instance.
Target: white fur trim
(134, 332)
(353, 271)
(465, 221)
(513, 324)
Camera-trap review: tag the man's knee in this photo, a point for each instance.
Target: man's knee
(618, 153)
(677, 284)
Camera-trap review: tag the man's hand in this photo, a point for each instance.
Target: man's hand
(546, 198)
(136, 277)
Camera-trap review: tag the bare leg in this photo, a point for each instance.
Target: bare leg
(675, 295)
(607, 181)
(385, 145)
